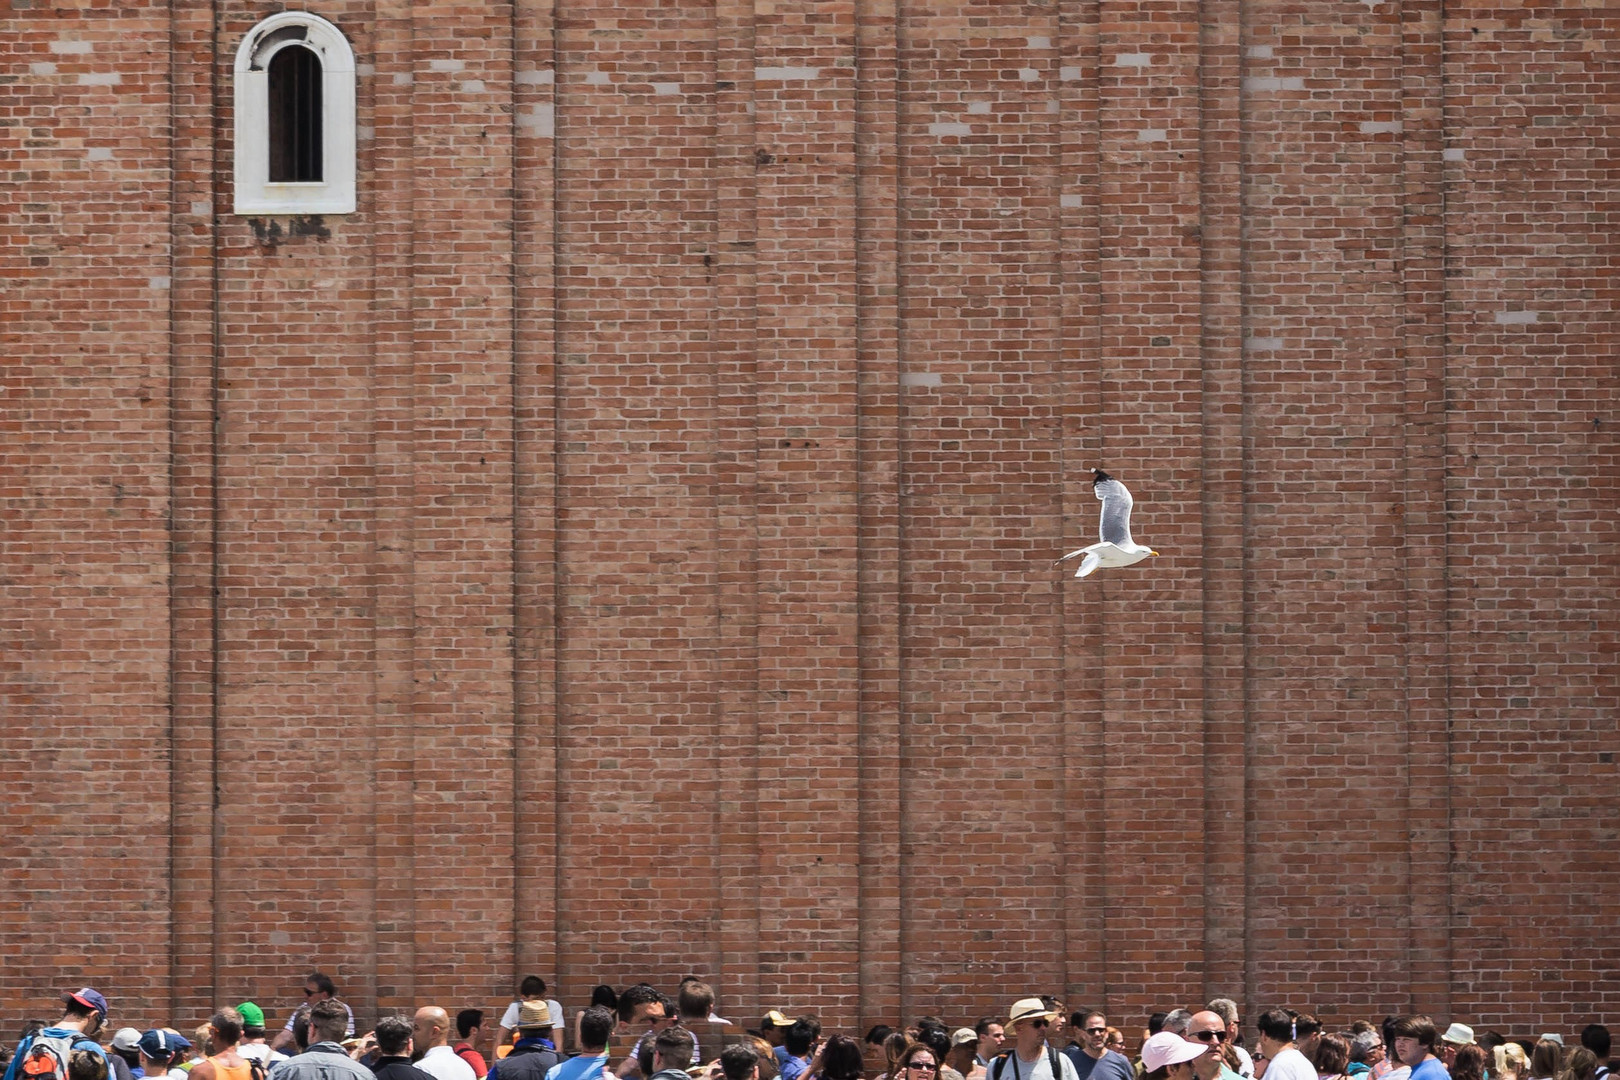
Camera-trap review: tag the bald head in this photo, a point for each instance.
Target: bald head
(1202, 1022)
(430, 1028)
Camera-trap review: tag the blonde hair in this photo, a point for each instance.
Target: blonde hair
(1510, 1061)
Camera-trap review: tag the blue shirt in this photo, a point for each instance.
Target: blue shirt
(1110, 1066)
(77, 1039)
(1431, 1069)
(583, 1067)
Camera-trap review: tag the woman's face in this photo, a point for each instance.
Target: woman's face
(921, 1065)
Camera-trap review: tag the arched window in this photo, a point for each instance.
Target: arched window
(295, 121)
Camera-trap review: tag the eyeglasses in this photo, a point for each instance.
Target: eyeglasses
(922, 1066)
(1039, 1023)
(1097, 1031)
(1208, 1036)
(310, 993)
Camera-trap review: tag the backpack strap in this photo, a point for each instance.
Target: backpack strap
(1052, 1060)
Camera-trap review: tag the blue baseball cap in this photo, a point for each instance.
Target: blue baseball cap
(90, 999)
(161, 1044)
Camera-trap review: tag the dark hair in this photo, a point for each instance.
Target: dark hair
(1306, 1025)
(328, 1021)
(695, 999)
(911, 1051)
(739, 1061)
(1595, 1037)
(1417, 1027)
(393, 1033)
(1489, 1041)
(1469, 1064)
(639, 994)
(801, 1035)
(1333, 1056)
(596, 1027)
(1277, 1024)
(982, 1028)
(72, 1006)
(227, 1024)
(1156, 1022)
(531, 986)
(936, 1040)
(677, 1046)
(301, 1026)
(922, 1023)
(604, 995)
(877, 1034)
(323, 985)
(841, 1058)
(467, 1019)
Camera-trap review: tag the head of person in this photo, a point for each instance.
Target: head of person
(893, 1047)
(534, 1019)
(126, 1043)
(1029, 1020)
(1276, 1027)
(673, 1048)
(991, 1036)
(1579, 1064)
(964, 1047)
(604, 995)
(469, 1022)
(917, 1062)
(1058, 1031)
(318, 987)
(1468, 1063)
(876, 1035)
(841, 1058)
(1547, 1058)
(252, 1020)
(160, 1047)
(301, 1032)
(1452, 1039)
(773, 1025)
(86, 1065)
(1155, 1023)
(532, 986)
(937, 1040)
(1169, 1056)
(1206, 1028)
(1090, 1027)
(694, 1000)
(203, 1039)
(328, 1021)
(739, 1061)
(596, 1026)
(1595, 1037)
(1510, 1062)
(1176, 1021)
(393, 1036)
(84, 1010)
(801, 1035)
(1332, 1055)
(641, 1008)
(1414, 1039)
(429, 1028)
(1114, 1039)
(1367, 1048)
(1227, 1010)
(225, 1028)
(767, 1057)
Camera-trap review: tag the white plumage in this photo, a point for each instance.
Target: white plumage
(1117, 548)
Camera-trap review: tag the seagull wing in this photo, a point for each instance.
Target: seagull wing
(1115, 525)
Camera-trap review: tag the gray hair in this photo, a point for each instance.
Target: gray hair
(1178, 1021)
(1363, 1043)
(1226, 1007)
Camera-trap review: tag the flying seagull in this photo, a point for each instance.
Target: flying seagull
(1117, 547)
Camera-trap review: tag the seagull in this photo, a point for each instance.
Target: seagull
(1117, 547)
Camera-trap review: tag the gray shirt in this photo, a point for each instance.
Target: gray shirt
(323, 1061)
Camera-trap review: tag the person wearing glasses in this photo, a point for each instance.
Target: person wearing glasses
(1091, 1058)
(1031, 1057)
(317, 988)
(917, 1062)
(1209, 1031)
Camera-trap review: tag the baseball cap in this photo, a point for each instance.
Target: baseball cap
(963, 1036)
(160, 1044)
(252, 1015)
(90, 999)
(1168, 1048)
(127, 1039)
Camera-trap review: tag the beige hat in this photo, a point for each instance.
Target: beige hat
(534, 1014)
(776, 1019)
(963, 1036)
(1029, 1009)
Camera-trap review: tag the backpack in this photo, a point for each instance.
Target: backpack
(47, 1057)
(1051, 1059)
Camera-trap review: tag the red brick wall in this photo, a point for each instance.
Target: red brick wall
(622, 547)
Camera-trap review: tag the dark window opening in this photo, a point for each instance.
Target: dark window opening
(295, 116)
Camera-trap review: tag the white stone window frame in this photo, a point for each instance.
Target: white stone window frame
(255, 194)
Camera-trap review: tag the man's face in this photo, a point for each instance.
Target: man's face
(1031, 1032)
(1095, 1033)
(422, 1031)
(990, 1042)
(648, 1016)
(1208, 1030)
(313, 993)
(1409, 1050)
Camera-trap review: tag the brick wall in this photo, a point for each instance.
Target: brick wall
(622, 547)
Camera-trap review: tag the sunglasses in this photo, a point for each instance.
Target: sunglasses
(1097, 1031)
(1208, 1036)
(922, 1066)
(1040, 1023)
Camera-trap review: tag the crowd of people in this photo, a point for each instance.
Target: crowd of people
(681, 1038)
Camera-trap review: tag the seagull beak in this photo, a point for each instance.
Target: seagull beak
(1151, 552)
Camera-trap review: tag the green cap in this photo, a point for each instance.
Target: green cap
(252, 1015)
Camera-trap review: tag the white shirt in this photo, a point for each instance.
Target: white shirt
(1041, 1069)
(445, 1064)
(1290, 1065)
(262, 1052)
(1245, 1062)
